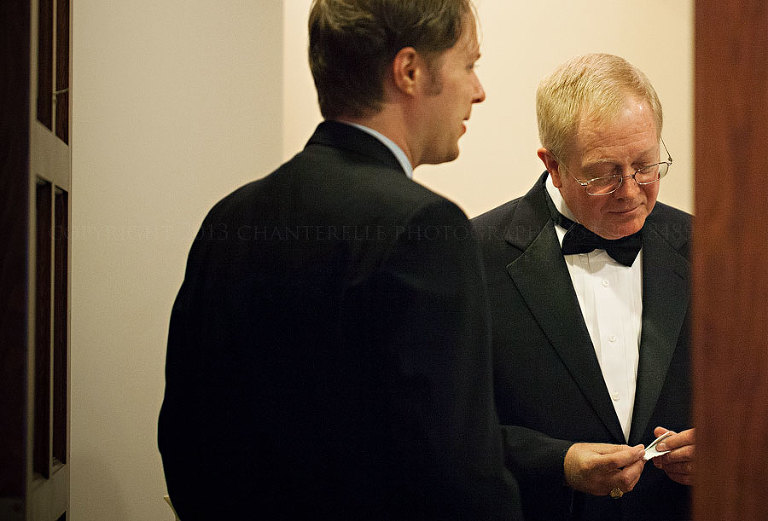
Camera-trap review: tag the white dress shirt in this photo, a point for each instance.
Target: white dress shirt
(611, 301)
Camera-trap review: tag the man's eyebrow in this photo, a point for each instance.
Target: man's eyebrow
(598, 162)
(613, 160)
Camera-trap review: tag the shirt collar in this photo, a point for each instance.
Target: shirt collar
(558, 200)
(396, 150)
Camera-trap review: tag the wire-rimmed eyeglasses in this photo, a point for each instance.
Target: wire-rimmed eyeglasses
(644, 175)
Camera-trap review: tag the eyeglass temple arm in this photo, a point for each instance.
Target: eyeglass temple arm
(669, 156)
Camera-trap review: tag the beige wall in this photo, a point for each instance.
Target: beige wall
(178, 102)
(521, 43)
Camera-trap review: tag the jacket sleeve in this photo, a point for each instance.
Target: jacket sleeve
(436, 335)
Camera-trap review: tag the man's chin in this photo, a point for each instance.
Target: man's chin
(624, 223)
(442, 158)
(623, 230)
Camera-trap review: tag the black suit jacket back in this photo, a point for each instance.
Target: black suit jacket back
(329, 351)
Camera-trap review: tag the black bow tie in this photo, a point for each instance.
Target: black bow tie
(580, 240)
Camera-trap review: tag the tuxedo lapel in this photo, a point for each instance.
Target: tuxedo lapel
(665, 303)
(541, 276)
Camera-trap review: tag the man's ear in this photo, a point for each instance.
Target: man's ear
(552, 165)
(406, 70)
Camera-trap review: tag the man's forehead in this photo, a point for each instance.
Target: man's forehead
(629, 116)
(468, 42)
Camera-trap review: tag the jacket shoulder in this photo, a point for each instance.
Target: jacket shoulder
(492, 226)
(501, 214)
(673, 225)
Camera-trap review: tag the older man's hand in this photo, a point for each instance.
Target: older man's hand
(679, 462)
(600, 468)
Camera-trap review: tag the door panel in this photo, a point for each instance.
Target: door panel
(35, 188)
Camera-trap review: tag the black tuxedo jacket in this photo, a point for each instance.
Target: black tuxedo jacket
(329, 351)
(549, 388)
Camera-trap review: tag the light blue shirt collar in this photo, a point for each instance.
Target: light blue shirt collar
(396, 150)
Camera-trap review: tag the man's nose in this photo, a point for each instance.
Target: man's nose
(629, 186)
(479, 93)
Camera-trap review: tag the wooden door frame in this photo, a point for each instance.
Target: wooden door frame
(14, 190)
(730, 282)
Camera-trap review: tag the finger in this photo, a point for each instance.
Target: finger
(658, 431)
(680, 468)
(630, 475)
(618, 450)
(684, 476)
(622, 457)
(683, 480)
(681, 455)
(607, 448)
(677, 440)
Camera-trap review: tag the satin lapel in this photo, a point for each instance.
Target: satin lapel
(665, 303)
(542, 277)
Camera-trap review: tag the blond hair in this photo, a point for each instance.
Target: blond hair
(594, 86)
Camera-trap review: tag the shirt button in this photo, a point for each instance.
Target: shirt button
(612, 338)
(615, 397)
(605, 283)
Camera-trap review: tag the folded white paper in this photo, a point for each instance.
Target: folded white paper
(650, 450)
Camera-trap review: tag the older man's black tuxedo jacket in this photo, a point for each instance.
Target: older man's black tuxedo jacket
(549, 388)
(329, 351)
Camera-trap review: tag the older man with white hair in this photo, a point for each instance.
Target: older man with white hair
(588, 278)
